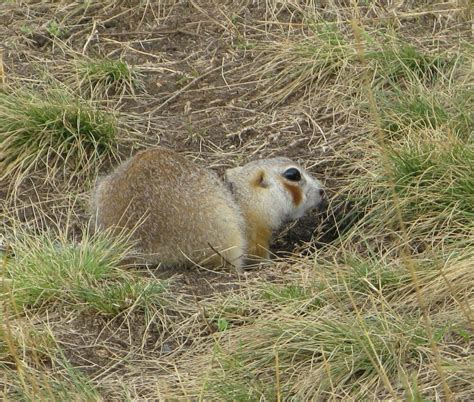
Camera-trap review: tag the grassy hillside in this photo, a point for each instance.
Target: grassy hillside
(369, 300)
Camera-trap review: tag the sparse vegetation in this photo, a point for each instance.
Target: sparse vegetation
(54, 29)
(105, 75)
(374, 99)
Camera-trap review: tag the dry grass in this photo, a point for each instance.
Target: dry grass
(373, 98)
(347, 330)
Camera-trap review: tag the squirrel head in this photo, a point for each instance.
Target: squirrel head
(276, 190)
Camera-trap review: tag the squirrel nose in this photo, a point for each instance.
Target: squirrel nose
(323, 201)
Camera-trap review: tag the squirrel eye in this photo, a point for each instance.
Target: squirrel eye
(292, 174)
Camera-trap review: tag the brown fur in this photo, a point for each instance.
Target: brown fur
(295, 193)
(258, 235)
(179, 213)
(176, 211)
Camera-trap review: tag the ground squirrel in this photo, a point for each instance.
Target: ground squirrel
(180, 213)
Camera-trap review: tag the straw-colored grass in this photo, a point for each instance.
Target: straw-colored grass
(350, 330)
(374, 99)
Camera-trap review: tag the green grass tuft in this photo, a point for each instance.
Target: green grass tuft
(435, 177)
(104, 74)
(46, 270)
(399, 62)
(291, 295)
(403, 111)
(53, 127)
(432, 174)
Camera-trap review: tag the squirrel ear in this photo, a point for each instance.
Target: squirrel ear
(260, 179)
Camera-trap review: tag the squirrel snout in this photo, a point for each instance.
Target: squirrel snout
(317, 196)
(323, 200)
